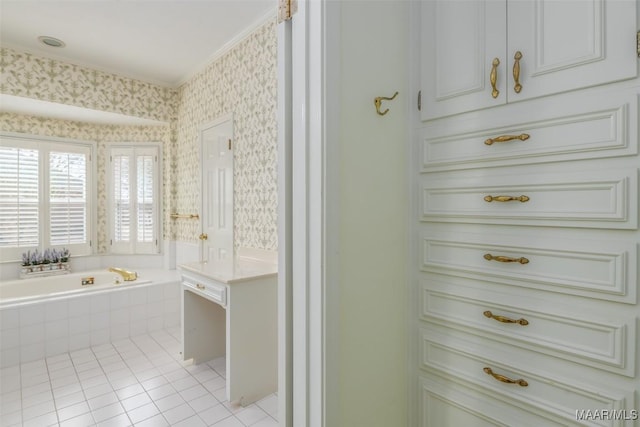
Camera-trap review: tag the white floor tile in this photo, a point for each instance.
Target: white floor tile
(10, 418)
(98, 390)
(266, 422)
(154, 382)
(129, 391)
(251, 415)
(106, 412)
(143, 412)
(215, 414)
(162, 391)
(70, 399)
(38, 410)
(269, 404)
(73, 411)
(34, 399)
(121, 420)
(203, 403)
(178, 413)
(103, 400)
(193, 421)
(48, 419)
(228, 422)
(136, 401)
(169, 402)
(155, 421)
(84, 420)
(141, 381)
(193, 392)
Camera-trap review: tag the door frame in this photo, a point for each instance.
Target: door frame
(308, 75)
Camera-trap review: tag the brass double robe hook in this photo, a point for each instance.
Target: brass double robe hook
(378, 102)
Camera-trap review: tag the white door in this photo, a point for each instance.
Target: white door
(217, 191)
(566, 45)
(463, 56)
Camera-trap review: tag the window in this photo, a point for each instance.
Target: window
(45, 197)
(134, 198)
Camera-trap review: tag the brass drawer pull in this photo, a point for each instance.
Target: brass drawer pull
(505, 138)
(201, 287)
(516, 71)
(490, 315)
(504, 379)
(500, 258)
(521, 199)
(493, 77)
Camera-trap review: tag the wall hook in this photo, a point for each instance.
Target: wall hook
(378, 102)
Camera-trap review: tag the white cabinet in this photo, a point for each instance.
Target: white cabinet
(235, 319)
(478, 54)
(526, 234)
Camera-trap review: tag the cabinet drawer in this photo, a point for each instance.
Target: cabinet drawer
(575, 126)
(595, 338)
(598, 269)
(510, 377)
(215, 292)
(595, 199)
(449, 403)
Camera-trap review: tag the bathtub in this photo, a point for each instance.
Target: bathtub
(46, 316)
(24, 290)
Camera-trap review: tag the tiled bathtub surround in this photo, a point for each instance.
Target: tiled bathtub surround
(134, 381)
(46, 328)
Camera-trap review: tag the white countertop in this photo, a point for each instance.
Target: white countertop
(241, 270)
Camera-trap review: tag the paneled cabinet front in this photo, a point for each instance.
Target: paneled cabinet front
(478, 54)
(525, 195)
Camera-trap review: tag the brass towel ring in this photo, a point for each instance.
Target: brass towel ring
(378, 103)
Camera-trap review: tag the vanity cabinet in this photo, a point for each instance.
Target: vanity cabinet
(233, 317)
(478, 54)
(526, 216)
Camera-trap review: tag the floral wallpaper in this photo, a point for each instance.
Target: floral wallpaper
(242, 82)
(30, 76)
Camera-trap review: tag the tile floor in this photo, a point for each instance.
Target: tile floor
(139, 381)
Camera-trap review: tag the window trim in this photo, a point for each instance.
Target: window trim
(47, 144)
(132, 247)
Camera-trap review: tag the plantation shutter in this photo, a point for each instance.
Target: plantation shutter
(146, 199)
(121, 198)
(19, 197)
(134, 199)
(67, 198)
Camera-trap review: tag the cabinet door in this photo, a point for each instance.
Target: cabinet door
(460, 41)
(568, 44)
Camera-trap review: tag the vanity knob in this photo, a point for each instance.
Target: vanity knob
(203, 236)
(199, 286)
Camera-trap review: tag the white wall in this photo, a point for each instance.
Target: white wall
(367, 342)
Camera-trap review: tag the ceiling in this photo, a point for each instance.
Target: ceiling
(158, 41)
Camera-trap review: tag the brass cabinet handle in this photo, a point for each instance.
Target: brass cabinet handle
(505, 138)
(203, 236)
(506, 199)
(493, 77)
(504, 379)
(516, 71)
(490, 315)
(500, 258)
(199, 286)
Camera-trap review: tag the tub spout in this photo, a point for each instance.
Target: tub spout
(127, 275)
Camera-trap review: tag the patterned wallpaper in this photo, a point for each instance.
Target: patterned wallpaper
(30, 76)
(243, 82)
